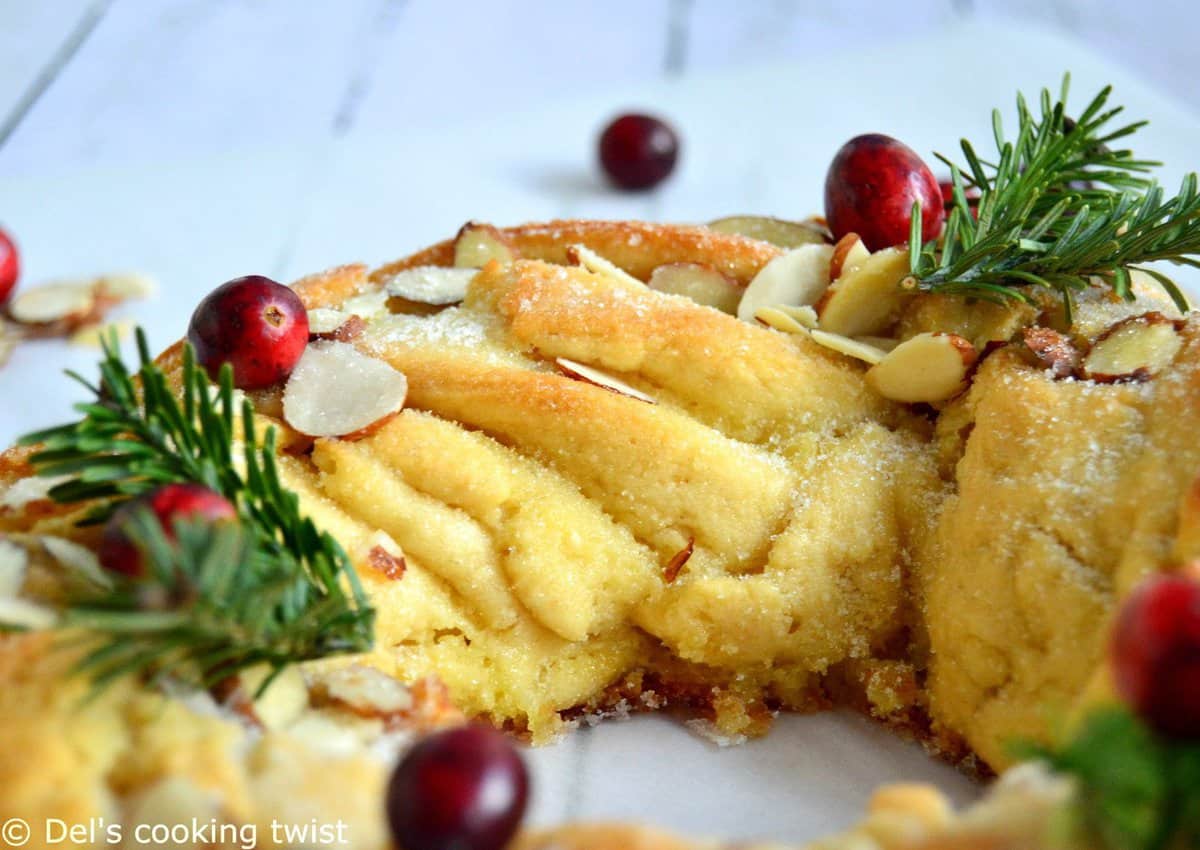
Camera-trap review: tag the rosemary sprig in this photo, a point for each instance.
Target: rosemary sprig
(271, 589)
(1059, 210)
(1135, 791)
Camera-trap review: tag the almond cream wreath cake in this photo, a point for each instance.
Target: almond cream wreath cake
(552, 472)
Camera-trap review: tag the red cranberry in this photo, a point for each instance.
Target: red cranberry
(638, 151)
(1156, 654)
(10, 266)
(171, 502)
(464, 789)
(947, 189)
(258, 326)
(870, 189)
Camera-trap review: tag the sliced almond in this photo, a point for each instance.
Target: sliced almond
(850, 347)
(671, 570)
(797, 277)
(79, 560)
(699, 282)
(803, 314)
(364, 690)
(773, 317)
(337, 391)
(583, 372)
(126, 286)
(1049, 350)
(18, 613)
(477, 244)
(926, 368)
(95, 335)
(582, 255)
(348, 331)
(11, 335)
(14, 560)
(323, 320)
(1134, 349)
(69, 303)
(884, 343)
(284, 700)
(777, 231)
(384, 555)
(435, 285)
(867, 299)
(848, 254)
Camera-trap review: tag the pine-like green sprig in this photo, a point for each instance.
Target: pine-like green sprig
(1059, 209)
(271, 589)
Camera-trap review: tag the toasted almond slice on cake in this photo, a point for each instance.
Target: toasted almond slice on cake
(777, 231)
(67, 302)
(1134, 349)
(434, 285)
(699, 282)
(14, 561)
(337, 391)
(868, 298)
(774, 317)
(126, 286)
(848, 254)
(797, 277)
(23, 614)
(582, 255)
(857, 349)
(1047, 349)
(477, 244)
(583, 372)
(928, 367)
(323, 320)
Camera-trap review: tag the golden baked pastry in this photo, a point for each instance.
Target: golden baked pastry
(612, 499)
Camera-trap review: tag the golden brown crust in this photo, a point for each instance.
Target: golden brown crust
(637, 247)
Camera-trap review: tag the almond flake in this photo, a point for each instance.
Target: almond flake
(775, 318)
(848, 254)
(23, 614)
(589, 375)
(850, 347)
(797, 277)
(926, 368)
(867, 299)
(70, 302)
(437, 286)
(582, 255)
(1049, 350)
(671, 570)
(80, 560)
(126, 286)
(14, 561)
(323, 320)
(477, 244)
(364, 690)
(337, 391)
(777, 231)
(699, 282)
(1134, 349)
(805, 315)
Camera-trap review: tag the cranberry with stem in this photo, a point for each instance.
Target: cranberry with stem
(1155, 653)
(462, 789)
(10, 265)
(169, 503)
(871, 187)
(638, 151)
(256, 325)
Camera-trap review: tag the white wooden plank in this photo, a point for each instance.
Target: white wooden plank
(163, 79)
(482, 60)
(1154, 40)
(32, 37)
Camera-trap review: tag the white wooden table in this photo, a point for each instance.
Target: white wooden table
(205, 139)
